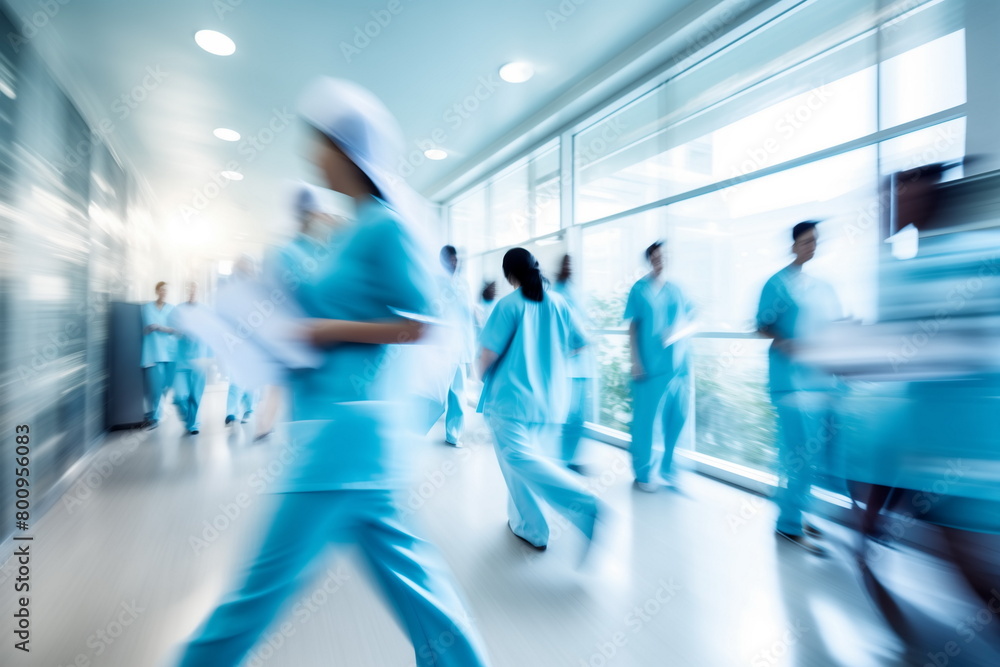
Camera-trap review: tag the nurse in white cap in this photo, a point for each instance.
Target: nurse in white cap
(372, 294)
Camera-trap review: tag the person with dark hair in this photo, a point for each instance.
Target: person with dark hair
(159, 353)
(526, 345)
(583, 370)
(458, 311)
(794, 305)
(351, 460)
(661, 319)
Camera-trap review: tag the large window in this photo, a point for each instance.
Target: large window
(802, 118)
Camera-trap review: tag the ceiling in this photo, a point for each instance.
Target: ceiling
(421, 58)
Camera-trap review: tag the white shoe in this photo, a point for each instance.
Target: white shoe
(647, 487)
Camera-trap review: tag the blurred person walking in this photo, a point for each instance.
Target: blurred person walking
(351, 460)
(192, 365)
(159, 353)
(526, 345)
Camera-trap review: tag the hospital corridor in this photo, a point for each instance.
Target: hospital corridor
(476, 334)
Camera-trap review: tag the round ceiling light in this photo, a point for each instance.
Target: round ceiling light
(215, 42)
(435, 154)
(226, 134)
(517, 72)
(233, 175)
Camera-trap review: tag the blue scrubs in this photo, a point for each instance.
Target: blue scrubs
(665, 389)
(350, 465)
(582, 373)
(525, 399)
(794, 305)
(190, 373)
(240, 402)
(457, 305)
(159, 354)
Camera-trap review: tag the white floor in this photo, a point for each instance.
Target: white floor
(128, 564)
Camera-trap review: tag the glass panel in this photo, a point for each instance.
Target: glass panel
(545, 192)
(614, 365)
(734, 419)
(510, 220)
(755, 104)
(468, 222)
(923, 68)
(613, 260)
(723, 246)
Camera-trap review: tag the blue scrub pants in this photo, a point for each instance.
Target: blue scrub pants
(409, 571)
(238, 401)
(804, 435)
(189, 387)
(579, 412)
(158, 378)
(455, 412)
(666, 396)
(533, 479)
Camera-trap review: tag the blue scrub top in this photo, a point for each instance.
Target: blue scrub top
(582, 364)
(655, 311)
(796, 305)
(296, 263)
(189, 348)
(348, 413)
(157, 346)
(529, 382)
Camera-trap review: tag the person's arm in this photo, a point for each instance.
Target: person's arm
(487, 358)
(329, 332)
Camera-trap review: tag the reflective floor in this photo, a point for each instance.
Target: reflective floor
(143, 545)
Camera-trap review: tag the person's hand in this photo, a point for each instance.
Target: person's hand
(638, 372)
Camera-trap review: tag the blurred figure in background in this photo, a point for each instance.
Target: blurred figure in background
(795, 305)
(526, 345)
(487, 300)
(582, 373)
(458, 313)
(241, 401)
(661, 319)
(351, 460)
(192, 366)
(159, 353)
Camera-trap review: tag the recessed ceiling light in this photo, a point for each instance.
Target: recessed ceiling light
(215, 42)
(226, 134)
(233, 175)
(435, 154)
(517, 72)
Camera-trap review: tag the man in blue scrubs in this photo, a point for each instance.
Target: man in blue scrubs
(794, 305)
(159, 353)
(661, 319)
(191, 368)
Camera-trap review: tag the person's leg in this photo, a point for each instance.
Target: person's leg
(196, 384)
(182, 395)
(234, 398)
(150, 376)
(162, 376)
(548, 481)
(415, 579)
(527, 519)
(299, 530)
(794, 476)
(572, 430)
(676, 409)
(455, 413)
(647, 396)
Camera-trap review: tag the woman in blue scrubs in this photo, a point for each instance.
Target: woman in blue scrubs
(526, 345)
(661, 377)
(350, 465)
(159, 353)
